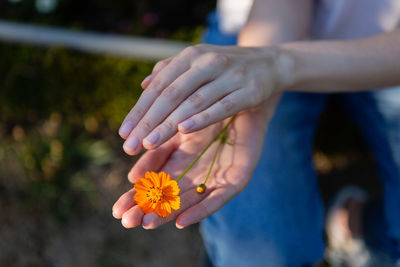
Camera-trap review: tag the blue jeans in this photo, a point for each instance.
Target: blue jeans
(278, 220)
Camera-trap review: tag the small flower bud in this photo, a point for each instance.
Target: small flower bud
(201, 188)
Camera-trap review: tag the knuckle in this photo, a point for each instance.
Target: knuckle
(196, 100)
(191, 51)
(156, 84)
(145, 125)
(159, 65)
(136, 114)
(256, 96)
(227, 104)
(256, 84)
(172, 93)
(258, 89)
(217, 59)
(239, 71)
(261, 95)
(238, 75)
(205, 116)
(169, 125)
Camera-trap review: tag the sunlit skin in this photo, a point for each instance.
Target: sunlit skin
(319, 66)
(205, 84)
(231, 173)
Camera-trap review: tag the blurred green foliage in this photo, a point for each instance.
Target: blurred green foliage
(61, 159)
(57, 108)
(60, 109)
(36, 82)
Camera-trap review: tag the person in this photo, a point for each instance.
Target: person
(288, 53)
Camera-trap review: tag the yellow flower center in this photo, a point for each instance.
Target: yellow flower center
(154, 194)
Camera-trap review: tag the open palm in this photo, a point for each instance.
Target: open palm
(231, 173)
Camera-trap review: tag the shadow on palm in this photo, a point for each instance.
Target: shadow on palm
(230, 175)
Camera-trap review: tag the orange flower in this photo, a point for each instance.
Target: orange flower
(157, 192)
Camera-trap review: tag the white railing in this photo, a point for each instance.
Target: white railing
(111, 44)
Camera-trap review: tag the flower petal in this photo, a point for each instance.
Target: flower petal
(140, 198)
(141, 187)
(157, 192)
(171, 189)
(163, 209)
(144, 182)
(146, 207)
(175, 203)
(153, 177)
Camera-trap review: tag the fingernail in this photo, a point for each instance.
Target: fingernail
(131, 144)
(186, 125)
(179, 226)
(115, 214)
(124, 222)
(152, 138)
(147, 78)
(126, 129)
(146, 222)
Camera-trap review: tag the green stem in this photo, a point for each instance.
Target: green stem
(207, 147)
(213, 161)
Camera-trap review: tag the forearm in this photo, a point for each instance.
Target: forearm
(265, 25)
(341, 66)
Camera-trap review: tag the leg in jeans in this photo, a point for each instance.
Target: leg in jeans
(378, 116)
(278, 219)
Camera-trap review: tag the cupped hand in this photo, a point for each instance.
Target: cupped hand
(231, 173)
(202, 85)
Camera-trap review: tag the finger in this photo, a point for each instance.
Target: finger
(147, 81)
(225, 108)
(210, 204)
(203, 98)
(188, 199)
(160, 81)
(151, 161)
(124, 203)
(161, 65)
(157, 68)
(133, 217)
(168, 100)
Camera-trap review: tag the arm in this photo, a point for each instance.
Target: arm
(234, 171)
(266, 27)
(343, 66)
(206, 84)
(272, 22)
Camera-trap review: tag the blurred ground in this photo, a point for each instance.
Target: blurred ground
(77, 229)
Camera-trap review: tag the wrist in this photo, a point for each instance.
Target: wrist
(285, 67)
(282, 63)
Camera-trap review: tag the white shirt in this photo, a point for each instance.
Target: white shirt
(349, 19)
(333, 19)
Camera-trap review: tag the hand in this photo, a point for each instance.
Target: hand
(202, 85)
(231, 173)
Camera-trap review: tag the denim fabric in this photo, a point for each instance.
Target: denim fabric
(377, 114)
(213, 35)
(278, 219)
